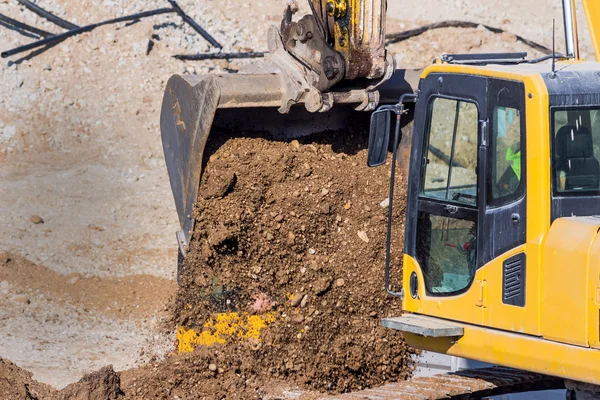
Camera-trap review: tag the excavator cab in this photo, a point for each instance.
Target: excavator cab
(502, 255)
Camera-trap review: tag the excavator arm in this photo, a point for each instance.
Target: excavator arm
(341, 40)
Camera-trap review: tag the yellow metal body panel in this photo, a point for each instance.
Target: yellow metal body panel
(519, 351)
(467, 307)
(593, 297)
(565, 280)
(592, 13)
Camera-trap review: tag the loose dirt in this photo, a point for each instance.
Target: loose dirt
(300, 233)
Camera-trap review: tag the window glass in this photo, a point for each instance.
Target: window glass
(447, 252)
(450, 171)
(575, 151)
(506, 151)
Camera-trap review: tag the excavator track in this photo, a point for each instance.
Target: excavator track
(462, 385)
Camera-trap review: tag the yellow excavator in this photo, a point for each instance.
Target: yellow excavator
(502, 253)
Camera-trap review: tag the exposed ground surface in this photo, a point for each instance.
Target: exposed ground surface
(80, 147)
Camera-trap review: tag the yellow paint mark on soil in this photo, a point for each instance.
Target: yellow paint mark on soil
(221, 328)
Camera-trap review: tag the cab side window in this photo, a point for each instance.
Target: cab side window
(506, 153)
(450, 170)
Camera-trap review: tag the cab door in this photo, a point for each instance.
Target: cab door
(445, 202)
(511, 290)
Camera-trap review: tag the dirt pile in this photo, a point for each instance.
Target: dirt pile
(17, 384)
(297, 231)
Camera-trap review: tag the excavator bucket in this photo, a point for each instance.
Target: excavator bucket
(196, 107)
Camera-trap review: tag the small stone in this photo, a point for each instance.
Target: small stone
(212, 367)
(36, 219)
(269, 236)
(296, 144)
(73, 278)
(363, 236)
(21, 298)
(47, 67)
(297, 299)
(304, 301)
(221, 370)
(373, 314)
(322, 286)
(347, 205)
(311, 251)
(9, 131)
(325, 208)
(340, 282)
(48, 85)
(298, 319)
(324, 192)
(291, 237)
(385, 203)
(279, 218)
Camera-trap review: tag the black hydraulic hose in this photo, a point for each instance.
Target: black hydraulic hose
(25, 27)
(19, 30)
(218, 56)
(320, 23)
(401, 36)
(195, 25)
(47, 15)
(35, 53)
(73, 32)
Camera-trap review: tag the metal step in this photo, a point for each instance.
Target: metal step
(424, 326)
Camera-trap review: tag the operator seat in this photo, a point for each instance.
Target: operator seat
(575, 152)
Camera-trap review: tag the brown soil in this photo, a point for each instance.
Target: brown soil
(134, 296)
(17, 384)
(280, 221)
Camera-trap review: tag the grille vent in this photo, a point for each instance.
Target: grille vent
(513, 280)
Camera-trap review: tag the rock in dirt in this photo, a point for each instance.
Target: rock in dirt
(297, 299)
(72, 278)
(217, 185)
(363, 236)
(322, 286)
(21, 298)
(36, 219)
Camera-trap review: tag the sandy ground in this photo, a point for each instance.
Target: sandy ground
(80, 147)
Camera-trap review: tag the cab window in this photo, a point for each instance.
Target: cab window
(447, 252)
(446, 237)
(576, 134)
(506, 153)
(450, 170)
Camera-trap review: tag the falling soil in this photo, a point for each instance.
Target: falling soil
(297, 229)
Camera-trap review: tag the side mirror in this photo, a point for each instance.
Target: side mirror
(379, 137)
